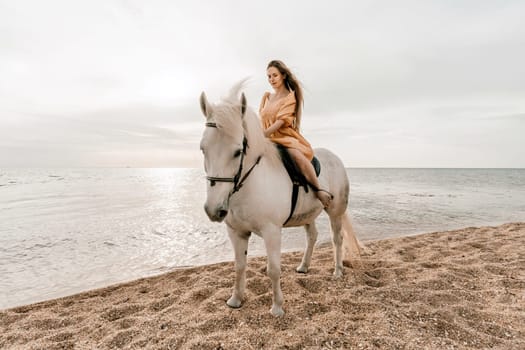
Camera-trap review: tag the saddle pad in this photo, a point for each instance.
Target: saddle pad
(295, 175)
(317, 166)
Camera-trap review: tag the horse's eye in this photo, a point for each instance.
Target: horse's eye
(237, 153)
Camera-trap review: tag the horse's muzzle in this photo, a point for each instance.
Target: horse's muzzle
(216, 214)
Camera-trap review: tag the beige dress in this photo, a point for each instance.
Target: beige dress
(287, 135)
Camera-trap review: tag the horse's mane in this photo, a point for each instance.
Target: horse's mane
(227, 115)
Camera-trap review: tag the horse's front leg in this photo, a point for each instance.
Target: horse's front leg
(272, 241)
(239, 241)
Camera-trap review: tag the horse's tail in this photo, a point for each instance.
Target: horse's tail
(352, 247)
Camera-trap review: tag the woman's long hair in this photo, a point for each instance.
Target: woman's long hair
(291, 84)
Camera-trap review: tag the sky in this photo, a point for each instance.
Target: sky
(107, 83)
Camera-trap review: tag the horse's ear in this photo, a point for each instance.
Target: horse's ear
(243, 104)
(205, 106)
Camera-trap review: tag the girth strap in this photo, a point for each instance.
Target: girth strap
(295, 194)
(297, 178)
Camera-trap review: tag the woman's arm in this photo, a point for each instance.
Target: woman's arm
(274, 127)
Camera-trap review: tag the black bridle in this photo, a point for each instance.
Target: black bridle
(236, 180)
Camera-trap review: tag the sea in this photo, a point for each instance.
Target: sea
(63, 231)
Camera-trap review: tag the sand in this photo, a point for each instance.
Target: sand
(462, 289)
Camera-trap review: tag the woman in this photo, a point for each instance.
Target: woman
(281, 117)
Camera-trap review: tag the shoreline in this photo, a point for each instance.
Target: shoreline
(161, 271)
(453, 289)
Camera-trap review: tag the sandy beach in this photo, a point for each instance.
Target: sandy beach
(462, 289)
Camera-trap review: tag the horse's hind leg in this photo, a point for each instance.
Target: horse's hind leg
(311, 238)
(240, 245)
(337, 239)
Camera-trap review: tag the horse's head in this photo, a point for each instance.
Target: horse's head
(223, 145)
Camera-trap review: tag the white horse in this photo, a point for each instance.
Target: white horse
(251, 191)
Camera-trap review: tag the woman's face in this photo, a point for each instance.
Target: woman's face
(275, 78)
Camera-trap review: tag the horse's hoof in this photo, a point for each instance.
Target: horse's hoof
(302, 269)
(277, 311)
(234, 303)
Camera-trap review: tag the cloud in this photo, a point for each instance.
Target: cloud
(123, 136)
(123, 77)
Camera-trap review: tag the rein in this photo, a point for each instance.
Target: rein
(237, 181)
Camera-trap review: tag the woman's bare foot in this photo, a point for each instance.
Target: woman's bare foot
(325, 197)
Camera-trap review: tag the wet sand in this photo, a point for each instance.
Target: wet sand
(462, 289)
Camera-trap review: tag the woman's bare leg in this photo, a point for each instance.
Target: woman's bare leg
(308, 171)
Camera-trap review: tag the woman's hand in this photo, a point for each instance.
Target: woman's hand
(273, 128)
